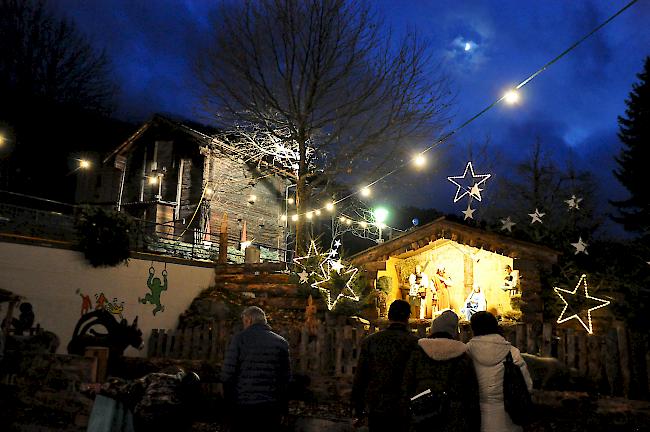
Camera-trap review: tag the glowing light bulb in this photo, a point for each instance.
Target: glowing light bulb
(419, 161)
(317, 212)
(83, 163)
(329, 206)
(309, 215)
(342, 219)
(511, 97)
(290, 201)
(294, 217)
(363, 224)
(153, 180)
(209, 191)
(365, 191)
(348, 222)
(283, 217)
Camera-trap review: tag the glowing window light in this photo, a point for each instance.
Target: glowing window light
(153, 180)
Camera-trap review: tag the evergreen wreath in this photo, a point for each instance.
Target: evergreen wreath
(104, 236)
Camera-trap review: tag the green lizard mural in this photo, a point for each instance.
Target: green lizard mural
(156, 288)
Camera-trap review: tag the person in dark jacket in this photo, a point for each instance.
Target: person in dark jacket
(442, 365)
(256, 373)
(377, 390)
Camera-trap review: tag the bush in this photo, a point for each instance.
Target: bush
(104, 236)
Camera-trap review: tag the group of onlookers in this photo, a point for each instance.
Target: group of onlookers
(462, 382)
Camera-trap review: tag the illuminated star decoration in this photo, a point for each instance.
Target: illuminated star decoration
(573, 203)
(304, 276)
(311, 253)
(536, 217)
(474, 190)
(346, 292)
(507, 224)
(576, 315)
(469, 213)
(580, 247)
(337, 244)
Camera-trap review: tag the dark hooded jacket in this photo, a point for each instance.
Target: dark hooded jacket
(256, 368)
(379, 373)
(442, 364)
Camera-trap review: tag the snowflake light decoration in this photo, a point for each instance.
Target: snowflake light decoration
(577, 315)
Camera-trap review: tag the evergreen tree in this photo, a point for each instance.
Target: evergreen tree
(634, 133)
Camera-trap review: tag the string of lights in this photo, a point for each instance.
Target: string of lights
(510, 97)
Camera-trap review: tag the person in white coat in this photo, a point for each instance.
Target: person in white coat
(488, 350)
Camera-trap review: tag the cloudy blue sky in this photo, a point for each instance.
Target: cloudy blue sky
(572, 107)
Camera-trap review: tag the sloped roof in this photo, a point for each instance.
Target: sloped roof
(442, 228)
(203, 135)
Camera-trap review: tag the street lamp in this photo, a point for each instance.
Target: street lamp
(380, 214)
(84, 164)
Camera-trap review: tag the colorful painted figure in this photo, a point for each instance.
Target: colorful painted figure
(86, 304)
(156, 288)
(100, 301)
(114, 308)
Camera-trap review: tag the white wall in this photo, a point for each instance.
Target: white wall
(49, 279)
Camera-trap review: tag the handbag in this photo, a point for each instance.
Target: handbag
(429, 407)
(516, 397)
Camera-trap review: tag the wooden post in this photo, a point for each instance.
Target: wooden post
(223, 240)
(624, 357)
(547, 339)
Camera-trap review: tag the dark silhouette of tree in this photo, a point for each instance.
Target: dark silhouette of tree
(328, 81)
(55, 97)
(633, 159)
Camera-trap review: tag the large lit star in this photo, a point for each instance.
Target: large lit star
(330, 292)
(311, 253)
(473, 189)
(566, 316)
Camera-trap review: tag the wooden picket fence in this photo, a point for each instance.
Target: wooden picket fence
(616, 361)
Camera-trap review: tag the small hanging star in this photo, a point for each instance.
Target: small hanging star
(601, 303)
(573, 202)
(304, 276)
(474, 191)
(507, 224)
(332, 253)
(337, 243)
(536, 217)
(469, 213)
(580, 247)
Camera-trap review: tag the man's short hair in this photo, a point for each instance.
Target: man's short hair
(256, 315)
(399, 310)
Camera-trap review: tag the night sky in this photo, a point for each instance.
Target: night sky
(572, 107)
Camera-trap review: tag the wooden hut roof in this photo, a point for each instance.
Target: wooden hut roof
(442, 228)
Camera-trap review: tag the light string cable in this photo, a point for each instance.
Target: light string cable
(496, 102)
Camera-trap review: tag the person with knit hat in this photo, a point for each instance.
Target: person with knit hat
(442, 365)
